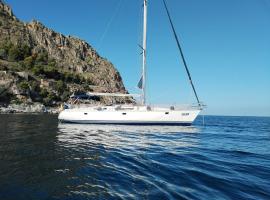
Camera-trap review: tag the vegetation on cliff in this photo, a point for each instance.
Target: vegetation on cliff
(35, 69)
(39, 65)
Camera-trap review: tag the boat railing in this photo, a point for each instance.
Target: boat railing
(151, 107)
(176, 106)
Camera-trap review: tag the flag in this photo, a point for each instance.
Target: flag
(140, 83)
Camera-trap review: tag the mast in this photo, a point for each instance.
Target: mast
(144, 52)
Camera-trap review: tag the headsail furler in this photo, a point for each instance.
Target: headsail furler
(181, 52)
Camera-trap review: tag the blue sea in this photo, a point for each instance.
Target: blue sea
(224, 158)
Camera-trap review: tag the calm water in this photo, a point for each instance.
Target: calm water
(228, 158)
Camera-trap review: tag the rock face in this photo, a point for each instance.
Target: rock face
(6, 9)
(76, 55)
(43, 54)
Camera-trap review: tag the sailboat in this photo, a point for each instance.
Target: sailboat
(140, 113)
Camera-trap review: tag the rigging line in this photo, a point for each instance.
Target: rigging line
(139, 26)
(109, 23)
(181, 52)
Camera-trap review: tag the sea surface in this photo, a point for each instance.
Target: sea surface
(226, 158)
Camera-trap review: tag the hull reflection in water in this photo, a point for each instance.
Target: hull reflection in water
(123, 135)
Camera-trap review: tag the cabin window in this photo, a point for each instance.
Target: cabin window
(85, 113)
(185, 114)
(124, 113)
(166, 113)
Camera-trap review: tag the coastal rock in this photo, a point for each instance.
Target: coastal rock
(23, 108)
(76, 55)
(6, 9)
(32, 54)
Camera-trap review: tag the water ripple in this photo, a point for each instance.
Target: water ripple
(226, 159)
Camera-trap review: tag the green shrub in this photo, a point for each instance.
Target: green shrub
(46, 70)
(3, 54)
(60, 86)
(37, 70)
(6, 45)
(15, 67)
(29, 62)
(20, 66)
(51, 72)
(67, 77)
(35, 86)
(23, 85)
(50, 98)
(17, 52)
(43, 93)
(25, 51)
(52, 62)
(14, 54)
(42, 58)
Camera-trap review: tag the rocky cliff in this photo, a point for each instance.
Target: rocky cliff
(38, 64)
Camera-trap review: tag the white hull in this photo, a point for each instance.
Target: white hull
(129, 115)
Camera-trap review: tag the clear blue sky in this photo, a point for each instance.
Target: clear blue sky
(226, 43)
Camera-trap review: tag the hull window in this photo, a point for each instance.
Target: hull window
(185, 114)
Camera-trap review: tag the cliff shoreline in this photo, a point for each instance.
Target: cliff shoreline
(26, 108)
(41, 66)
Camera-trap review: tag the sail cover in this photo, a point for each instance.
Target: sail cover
(140, 83)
